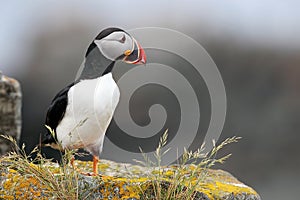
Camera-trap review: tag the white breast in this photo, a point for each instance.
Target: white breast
(91, 104)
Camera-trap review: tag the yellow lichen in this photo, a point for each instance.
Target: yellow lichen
(217, 183)
(169, 173)
(20, 187)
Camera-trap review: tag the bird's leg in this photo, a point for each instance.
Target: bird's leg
(95, 165)
(72, 162)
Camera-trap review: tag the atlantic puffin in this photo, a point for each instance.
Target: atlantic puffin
(80, 113)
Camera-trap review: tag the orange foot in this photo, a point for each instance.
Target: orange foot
(95, 167)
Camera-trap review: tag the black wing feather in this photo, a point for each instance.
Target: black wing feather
(56, 112)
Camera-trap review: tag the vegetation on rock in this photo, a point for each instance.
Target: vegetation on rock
(25, 177)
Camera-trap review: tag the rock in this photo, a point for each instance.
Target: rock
(118, 181)
(10, 111)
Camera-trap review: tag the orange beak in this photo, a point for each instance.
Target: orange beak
(137, 56)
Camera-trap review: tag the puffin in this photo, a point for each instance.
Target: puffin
(80, 113)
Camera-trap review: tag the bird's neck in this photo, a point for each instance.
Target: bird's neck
(95, 65)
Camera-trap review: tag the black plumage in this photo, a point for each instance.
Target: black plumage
(56, 112)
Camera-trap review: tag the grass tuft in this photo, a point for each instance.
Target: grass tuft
(41, 176)
(182, 181)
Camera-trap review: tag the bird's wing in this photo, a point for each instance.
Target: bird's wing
(56, 112)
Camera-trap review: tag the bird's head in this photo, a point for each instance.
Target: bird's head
(116, 44)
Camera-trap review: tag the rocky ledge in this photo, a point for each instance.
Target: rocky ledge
(119, 181)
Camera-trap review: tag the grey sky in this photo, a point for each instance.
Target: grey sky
(268, 23)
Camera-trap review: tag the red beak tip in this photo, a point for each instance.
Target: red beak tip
(143, 57)
(143, 60)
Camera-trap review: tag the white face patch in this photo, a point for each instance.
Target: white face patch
(115, 45)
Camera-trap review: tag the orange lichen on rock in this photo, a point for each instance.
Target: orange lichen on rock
(17, 186)
(121, 181)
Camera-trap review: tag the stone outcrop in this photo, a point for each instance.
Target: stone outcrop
(10, 111)
(121, 181)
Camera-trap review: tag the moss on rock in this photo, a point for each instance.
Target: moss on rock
(122, 181)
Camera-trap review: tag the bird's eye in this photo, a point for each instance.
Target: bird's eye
(123, 39)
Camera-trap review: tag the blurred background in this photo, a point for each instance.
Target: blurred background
(255, 44)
